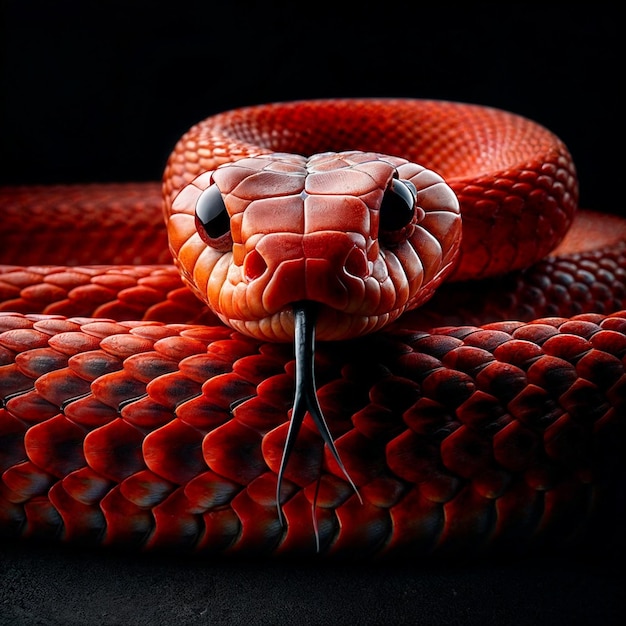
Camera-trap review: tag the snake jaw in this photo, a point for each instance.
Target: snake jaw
(305, 399)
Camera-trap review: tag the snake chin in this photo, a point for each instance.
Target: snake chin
(332, 325)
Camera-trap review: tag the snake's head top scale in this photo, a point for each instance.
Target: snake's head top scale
(283, 247)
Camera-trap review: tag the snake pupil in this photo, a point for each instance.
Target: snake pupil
(398, 205)
(212, 219)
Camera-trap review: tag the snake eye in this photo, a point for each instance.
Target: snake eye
(398, 206)
(212, 219)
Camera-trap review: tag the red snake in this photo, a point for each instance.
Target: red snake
(490, 417)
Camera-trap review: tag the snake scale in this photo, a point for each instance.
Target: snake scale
(321, 371)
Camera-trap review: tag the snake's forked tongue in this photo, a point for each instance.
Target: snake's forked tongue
(305, 398)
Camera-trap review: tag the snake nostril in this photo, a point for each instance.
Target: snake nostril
(254, 265)
(356, 263)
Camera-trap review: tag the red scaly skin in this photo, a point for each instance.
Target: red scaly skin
(132, 416)
(308, 229)
(515, 181)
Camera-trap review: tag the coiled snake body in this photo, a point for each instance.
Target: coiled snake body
(132, 415)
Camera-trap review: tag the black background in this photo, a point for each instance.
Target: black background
(100, 91)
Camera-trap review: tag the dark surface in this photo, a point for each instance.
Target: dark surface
(103, 93)
(56, 585)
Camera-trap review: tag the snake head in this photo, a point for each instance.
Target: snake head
(366, 236)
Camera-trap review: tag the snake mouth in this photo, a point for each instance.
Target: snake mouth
(331, 324)
(305, 398)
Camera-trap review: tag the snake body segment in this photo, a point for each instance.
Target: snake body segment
(457, 439)
(132, 416)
